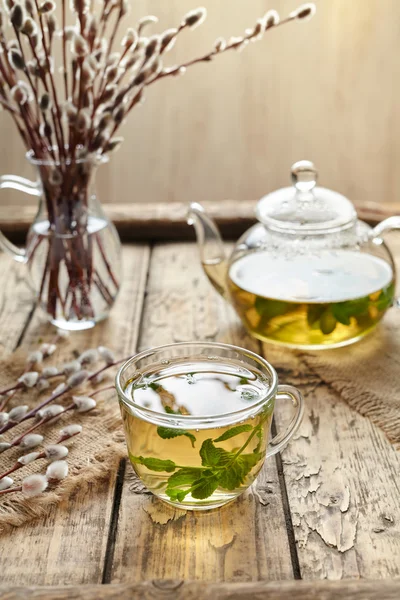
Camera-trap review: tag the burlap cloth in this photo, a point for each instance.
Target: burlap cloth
(365, 375)
(93, 454)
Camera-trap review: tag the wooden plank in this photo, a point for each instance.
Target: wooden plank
(16, 303)
(69, 546)
(342, 482)
(245, 541)
(167, 220)
(179, 590)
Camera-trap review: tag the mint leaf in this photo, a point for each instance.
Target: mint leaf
(154, 464)
(327, 322)
(248, 461)
(204, 487)
(271, 308)
(176, 494)
(180, 496)
(343, 311)
(167, 433)
(231, 478)
(314, 313)
(357, 307)
(154, 386)
(212, 456)
(182, 478)
(386, 298)
(185, 476)
(202, 484)
(233, 431)
(235, 475)
(340, 314)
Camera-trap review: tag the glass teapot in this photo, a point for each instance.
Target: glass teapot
(309, 274)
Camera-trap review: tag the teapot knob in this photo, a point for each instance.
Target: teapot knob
(304, 176)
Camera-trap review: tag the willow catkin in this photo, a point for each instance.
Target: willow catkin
(45, 102)
(145, 22)
(17, 16)
(113, 144)
(130, 40)
(46, 131)
(16, 60)
(19, 95)
(29, 28)
(152, 47)
(51, 25)
(304, 12)
(168, 39)
(47, 7)
(194, 18)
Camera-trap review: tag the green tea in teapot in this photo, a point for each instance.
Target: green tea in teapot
(330, 298)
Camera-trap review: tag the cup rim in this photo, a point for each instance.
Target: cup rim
(234, 415)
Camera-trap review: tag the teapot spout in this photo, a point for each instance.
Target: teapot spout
(212, 252)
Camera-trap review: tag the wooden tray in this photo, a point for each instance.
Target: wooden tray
(167, 221)
(112, 532)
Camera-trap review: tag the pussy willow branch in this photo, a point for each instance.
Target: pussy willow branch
(57, 124)
(210, 55)
(58, 394)
(32, 413)
(100, 87)
(235, 45)
(64, 49)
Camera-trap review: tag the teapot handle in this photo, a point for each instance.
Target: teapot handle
(389, 224)
(28, 187)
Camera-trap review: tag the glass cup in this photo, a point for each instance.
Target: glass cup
(204, 456)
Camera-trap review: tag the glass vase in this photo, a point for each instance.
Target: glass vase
(73, 251)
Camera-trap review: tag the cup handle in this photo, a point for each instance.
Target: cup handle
(287, 392)
(28, 187)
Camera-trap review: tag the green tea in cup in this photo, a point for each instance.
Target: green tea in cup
(197, 419)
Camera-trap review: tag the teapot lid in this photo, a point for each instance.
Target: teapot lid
(306, 207)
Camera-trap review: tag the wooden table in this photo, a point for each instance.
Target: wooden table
(112, 532)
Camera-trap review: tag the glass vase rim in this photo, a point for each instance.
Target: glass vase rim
(232, 416)
(96, 159)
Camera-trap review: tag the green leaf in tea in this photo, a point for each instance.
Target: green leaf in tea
(386, 298)
(212, 456)
(233, 476)
(177, 495)
(154, 386)
(271, 308)
(205, 486)
(154, 464)
(314, 313)
(220, 468)
(167, 433)
(343, 311)
(327, 322)
(233, 431)
(183, 478)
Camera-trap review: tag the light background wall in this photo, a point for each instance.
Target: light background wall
(326, 90)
